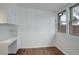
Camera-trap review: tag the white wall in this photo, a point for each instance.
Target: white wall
(67, 43)
(36, 28)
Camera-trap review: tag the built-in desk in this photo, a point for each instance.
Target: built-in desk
(8, 45)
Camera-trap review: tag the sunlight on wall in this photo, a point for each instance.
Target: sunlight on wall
(2, 17)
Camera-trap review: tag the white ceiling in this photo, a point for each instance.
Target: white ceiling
(44, 6)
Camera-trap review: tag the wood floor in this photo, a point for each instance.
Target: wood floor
(40, 51)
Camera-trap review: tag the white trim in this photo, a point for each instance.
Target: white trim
(61, 49)
(37, 46)
(72, 4)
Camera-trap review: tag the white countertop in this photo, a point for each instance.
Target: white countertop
(8, 40)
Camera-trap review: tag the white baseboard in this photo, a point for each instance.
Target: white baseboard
(37, 46)
(61, 49)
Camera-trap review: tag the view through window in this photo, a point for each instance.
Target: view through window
(62, 22)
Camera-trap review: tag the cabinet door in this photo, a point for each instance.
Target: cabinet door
(11, 14)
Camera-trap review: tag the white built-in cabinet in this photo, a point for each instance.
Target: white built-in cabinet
(8, 25)
(8, 13)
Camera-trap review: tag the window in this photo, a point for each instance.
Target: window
(62, 22)
(74, 20)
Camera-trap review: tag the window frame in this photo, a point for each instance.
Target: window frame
(70, 20)
(58, 24)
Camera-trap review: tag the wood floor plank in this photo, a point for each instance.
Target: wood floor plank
(40, 51)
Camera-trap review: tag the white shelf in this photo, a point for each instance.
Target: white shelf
(7, 24)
